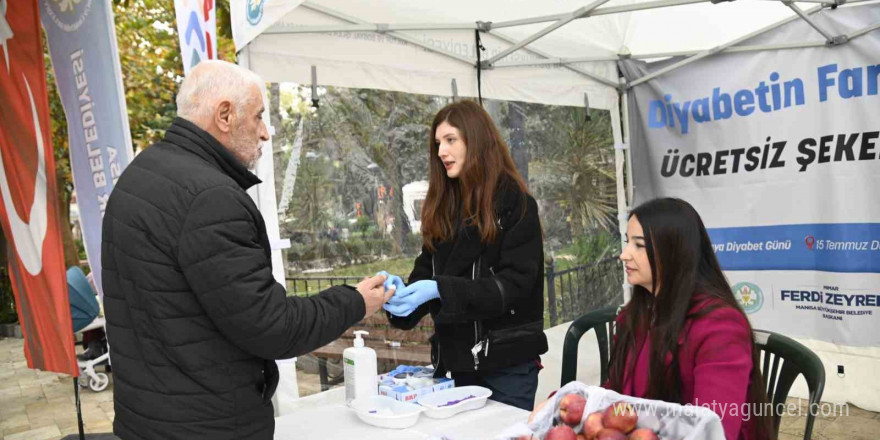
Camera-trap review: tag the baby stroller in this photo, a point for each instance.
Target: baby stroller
(85, 311)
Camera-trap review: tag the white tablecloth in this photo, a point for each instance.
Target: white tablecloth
(325, 416)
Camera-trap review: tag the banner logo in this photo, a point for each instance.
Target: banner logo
(809, 241)
(749, 296)
(68, 15)
(254, 11)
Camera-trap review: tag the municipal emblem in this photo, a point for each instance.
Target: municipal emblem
(68, 15)
(749, 296)
(255, 11)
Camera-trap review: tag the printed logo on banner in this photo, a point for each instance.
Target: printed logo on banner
(749, 296)
(255, 11)
(68, 15)
(810, 241)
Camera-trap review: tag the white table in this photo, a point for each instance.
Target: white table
(325, 416)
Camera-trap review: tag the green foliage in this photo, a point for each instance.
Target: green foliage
(312, 198)
(356, 250)
(595, 246)
(395, 266)
(365, 226)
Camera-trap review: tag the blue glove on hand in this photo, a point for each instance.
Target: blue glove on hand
(408, 299)
(392, 280)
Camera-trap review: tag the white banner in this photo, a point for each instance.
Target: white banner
(779, 151)
(197, 29)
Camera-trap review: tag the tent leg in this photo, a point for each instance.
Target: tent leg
(79, 416)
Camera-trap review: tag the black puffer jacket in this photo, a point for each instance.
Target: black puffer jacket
(490, 294)
(194, 316)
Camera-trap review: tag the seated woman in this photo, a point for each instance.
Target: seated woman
(683, 337)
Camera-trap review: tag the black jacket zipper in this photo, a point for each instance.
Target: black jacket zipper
(478, 344)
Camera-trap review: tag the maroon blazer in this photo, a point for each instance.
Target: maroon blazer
(715, 360)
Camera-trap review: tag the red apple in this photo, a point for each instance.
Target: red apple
(561, 432)
(593, 425)
(643, 434)
(620, 416)
(610, 434)
(571, 409)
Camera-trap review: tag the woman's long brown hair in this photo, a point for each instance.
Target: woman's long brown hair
(685, 267)
(470, 198)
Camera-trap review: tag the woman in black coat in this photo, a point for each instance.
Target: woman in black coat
(480, 273)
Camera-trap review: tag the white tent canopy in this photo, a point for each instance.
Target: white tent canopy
(421, 46)
(553, 52)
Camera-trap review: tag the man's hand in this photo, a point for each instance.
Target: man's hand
(374, 293)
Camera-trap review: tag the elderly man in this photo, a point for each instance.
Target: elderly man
(194, 315)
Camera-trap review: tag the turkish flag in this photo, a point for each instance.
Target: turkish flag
(28, 208)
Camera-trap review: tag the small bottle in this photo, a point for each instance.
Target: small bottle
(359, 367)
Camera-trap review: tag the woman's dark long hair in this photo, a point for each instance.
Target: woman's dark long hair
(470, 198)
(684, 266)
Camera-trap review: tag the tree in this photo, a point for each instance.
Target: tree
(391, 128)
(576, 163)
(359, 128)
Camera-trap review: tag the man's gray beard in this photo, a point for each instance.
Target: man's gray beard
(240, 145)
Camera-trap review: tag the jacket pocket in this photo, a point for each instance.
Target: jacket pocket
(515, 334)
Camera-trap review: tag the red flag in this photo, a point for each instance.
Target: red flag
(28, 207)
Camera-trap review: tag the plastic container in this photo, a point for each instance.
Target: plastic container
(359, 368)
(447, 403)
(385, 412)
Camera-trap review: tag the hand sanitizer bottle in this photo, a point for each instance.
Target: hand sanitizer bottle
(359, 367)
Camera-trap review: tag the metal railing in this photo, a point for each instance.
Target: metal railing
(568, 293)
(573, 292)
(309, 285)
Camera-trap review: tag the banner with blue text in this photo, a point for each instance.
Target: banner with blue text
(779, 151)
(82, 43)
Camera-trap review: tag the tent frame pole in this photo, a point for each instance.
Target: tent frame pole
(362, 26)
(717, 49)
(579, 13)
(284, 28)
(828, 37)
(541, 53)
(598, 11)
(624, 194)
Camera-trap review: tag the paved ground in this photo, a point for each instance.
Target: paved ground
(36, 405)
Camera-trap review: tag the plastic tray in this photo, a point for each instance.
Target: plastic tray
(385, 412)
(437, 404)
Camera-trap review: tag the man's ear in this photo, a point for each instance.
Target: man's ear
(223, 116)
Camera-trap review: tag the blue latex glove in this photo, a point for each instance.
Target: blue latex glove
(407, 300)
(392, 280)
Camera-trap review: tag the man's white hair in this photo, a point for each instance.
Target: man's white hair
(212, 81)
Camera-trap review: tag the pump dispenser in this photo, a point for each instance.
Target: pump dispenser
(359, 367)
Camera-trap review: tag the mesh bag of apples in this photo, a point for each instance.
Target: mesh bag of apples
(582, 412)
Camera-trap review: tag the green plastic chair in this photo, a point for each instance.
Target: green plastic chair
(784, 360)
(600, 320)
